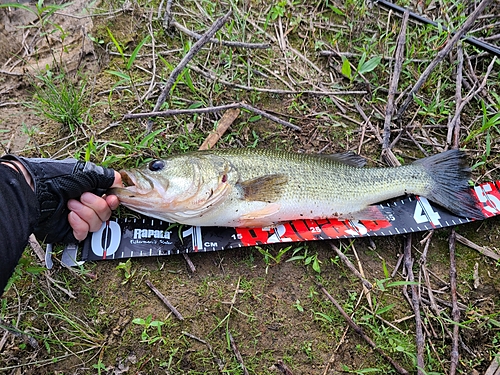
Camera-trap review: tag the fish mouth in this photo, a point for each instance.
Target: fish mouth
(136, 182)
(127, 180)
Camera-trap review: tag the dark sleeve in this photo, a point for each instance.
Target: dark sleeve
(19, 212)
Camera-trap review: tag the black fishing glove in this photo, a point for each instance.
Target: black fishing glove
(56, 182)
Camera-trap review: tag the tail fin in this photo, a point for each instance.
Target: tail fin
(450, 174)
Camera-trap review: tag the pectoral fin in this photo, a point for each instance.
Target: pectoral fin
(263, 189)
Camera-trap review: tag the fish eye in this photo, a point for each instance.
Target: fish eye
(156, 165)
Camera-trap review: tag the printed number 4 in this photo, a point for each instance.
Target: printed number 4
(424, 212)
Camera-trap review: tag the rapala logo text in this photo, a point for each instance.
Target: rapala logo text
(139, 234)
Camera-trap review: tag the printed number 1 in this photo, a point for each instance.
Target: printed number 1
(195, 233)
(424, 212)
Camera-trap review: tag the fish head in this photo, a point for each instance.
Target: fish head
(179, 187)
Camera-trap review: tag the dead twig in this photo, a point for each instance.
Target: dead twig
(220, 364)
(455, 312)
(164, 300)
(353, 269)
(226, 43)
(20, 334)
(237, 354)
(189, 262)
(360, 332)
(366, 291)
(454, 128)
(182, 64)
(393, 86)
(468, 98)
(280, 366)
(175, 112)
(368, 122)
(485, 250)
(494, 368)
(224, 123)
(420, 341)
(212, 76)
(473, 41)
(442, 54)
(167, 18)
(37, 249)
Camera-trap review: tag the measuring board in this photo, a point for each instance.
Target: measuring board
(144, 237)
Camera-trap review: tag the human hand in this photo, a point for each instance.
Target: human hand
(89, 212)
(56, 183)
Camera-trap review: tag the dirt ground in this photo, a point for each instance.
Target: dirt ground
(103, 318)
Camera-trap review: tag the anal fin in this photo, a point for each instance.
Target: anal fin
(259, 218)
(368, 213)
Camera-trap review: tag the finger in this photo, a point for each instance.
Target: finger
(112, 201)
(118, 180)
(97, 204)
(88, 214)
(80, 227)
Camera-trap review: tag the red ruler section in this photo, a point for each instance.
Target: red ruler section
(141, 237)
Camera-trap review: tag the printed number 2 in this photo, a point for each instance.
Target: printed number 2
(424, 212)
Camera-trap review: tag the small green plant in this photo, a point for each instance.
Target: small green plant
(277, 10)
(58, 99)
(489, 121)
(127, 270)
(307, 349)
(125, 78)
(306, 258)
(99, 366)
(147, 324)
(269, 258)
(298, 306)
(362, 68)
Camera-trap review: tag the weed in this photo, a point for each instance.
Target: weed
(276, 259)
(100, 367)
(146, 335)
(58, 99)
(306, 258)
(128, 273)
(125, 78)
(298, 306)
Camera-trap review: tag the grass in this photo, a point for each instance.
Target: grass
(265, 297)
(58, 99)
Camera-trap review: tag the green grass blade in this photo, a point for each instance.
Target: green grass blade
(115, 42)
(136, 51)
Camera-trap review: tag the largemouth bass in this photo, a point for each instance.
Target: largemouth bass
(259, 187)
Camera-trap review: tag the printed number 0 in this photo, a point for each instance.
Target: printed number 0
(424, 212)
(107, 239)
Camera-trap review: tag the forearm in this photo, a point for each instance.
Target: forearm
(19, 213)
(57, 200)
